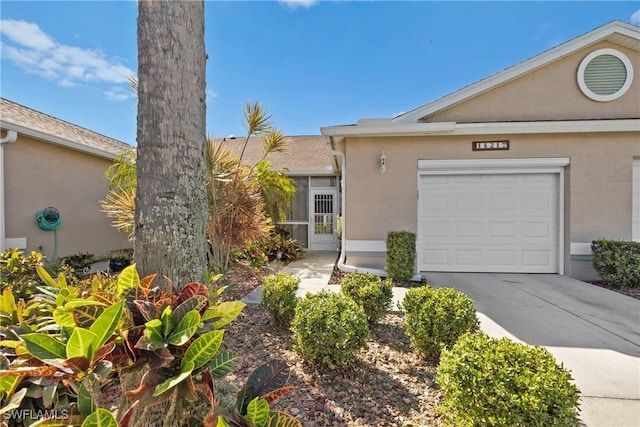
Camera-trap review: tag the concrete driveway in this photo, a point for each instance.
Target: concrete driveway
(594, 332)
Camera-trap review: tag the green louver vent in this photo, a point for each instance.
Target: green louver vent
(605, 75)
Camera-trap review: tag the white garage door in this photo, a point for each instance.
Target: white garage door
(500, 222)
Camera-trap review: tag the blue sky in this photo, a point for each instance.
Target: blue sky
(309, 63)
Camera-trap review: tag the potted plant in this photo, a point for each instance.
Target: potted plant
(118, 260)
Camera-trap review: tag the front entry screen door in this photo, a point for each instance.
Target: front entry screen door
(323, 230)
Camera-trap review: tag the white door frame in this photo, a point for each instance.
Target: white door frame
(328, 241)
(501, 166)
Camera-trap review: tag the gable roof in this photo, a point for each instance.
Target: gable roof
(618, 32)
(306, 154)
(35, 124)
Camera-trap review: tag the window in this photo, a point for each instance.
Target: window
(297, 231)
(605, 75)
(300, 204)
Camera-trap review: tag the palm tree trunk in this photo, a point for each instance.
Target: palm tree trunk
(171, 201)
(171, 198)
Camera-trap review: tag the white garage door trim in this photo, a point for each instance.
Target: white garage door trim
(554, 165)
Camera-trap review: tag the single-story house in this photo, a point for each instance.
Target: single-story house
(47, 162)
(517, 172)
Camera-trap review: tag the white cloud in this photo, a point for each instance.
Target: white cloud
(635, 18)
(294, 4)
(117, 93)
(26, 34)
(36, 52)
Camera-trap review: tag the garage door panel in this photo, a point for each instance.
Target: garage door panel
(468, 229)
(494, 222)
(468, 200)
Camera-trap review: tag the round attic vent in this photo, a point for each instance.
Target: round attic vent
(605, 75)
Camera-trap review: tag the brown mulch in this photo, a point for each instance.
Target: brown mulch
(387, 385)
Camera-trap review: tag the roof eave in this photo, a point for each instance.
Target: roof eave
(486, 128)
(53, 139)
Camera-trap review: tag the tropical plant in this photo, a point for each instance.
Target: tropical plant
(121, 326)
(19, 271)
(244, 199)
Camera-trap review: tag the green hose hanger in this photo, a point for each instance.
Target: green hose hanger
(48, 219)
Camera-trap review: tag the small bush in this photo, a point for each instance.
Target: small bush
(19, 271)
(329, 328)
(279, 246)
(370, 292)
(279, 296)
(498, 382)
(401, 255)
(617, 262)
(80, 263)
(436, 318)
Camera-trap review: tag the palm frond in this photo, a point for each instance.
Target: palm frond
(120, 204)
(122, 172)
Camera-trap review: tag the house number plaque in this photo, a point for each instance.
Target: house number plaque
(490, 145)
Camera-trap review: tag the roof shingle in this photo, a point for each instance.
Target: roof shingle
(306, 153)
(23, 117)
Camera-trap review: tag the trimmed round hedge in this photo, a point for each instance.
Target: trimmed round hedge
(328, 328)
(279, 296)
(498, 382)
(436, 318)
(370, 292)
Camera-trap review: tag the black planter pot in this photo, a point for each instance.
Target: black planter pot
(117, 265)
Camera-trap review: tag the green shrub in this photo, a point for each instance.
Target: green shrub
(497, 382)
(401, 255)
(436, 318)
(19, 271)
(279, 296)
(617, 262)
(329, 328)
(80, 263)
(370, 292)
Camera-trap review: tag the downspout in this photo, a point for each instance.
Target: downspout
(11, 137)
(343, 248)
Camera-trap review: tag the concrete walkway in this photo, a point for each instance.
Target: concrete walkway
(593, 332)
(314, 271)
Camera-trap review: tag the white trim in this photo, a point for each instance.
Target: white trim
(366, 245)
(311, 172)
(518, 70)
(506, 166)
(580, 248)
(605, 98)
(635, 202)
(15, 242)
(492, 128)
(58, 140)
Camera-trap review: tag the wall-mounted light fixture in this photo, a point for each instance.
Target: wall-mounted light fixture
(383, 163)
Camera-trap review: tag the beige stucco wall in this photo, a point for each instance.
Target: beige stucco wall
(550, 93)
(40, 174)
(598, 179)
